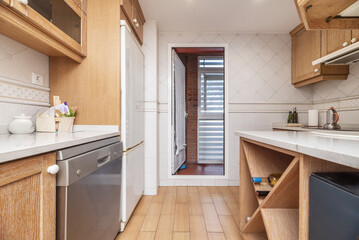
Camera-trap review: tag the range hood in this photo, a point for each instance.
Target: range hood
(349, 54)
(352, 11)
(343, 56)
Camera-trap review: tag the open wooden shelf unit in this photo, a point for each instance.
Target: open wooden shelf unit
(283, 213)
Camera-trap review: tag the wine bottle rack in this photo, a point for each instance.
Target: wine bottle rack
(283, 213)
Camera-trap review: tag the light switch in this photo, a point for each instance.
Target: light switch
(37, 79)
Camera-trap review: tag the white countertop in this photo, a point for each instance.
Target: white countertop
(16, 146)
(333, 149)
(282, 126)
(294, 129)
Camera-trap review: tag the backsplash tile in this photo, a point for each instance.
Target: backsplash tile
(17, 93)
(338, 89)
(17, 61)
(11, 91)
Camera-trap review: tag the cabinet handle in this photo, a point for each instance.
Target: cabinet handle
(25, 2)
(135, 20)
(316, 70)
(53, 169)
(137, 24)
(345, 44)
(354, 40)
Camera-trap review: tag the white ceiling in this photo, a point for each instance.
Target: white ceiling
(222, 15)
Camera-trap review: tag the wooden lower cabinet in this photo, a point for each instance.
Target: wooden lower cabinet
(28, 199)
(284, 213)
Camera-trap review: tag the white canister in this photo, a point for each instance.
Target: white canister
(21, 125)
(313, 120)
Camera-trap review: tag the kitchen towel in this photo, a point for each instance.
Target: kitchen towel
(313, 118)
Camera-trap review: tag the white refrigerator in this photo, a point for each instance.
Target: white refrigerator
(132, 123)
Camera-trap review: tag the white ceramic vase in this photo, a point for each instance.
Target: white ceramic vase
(21, 125)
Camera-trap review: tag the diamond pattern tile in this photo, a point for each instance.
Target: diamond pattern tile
(276, 44)
(330, 90)
(259, 65)
(266, 54)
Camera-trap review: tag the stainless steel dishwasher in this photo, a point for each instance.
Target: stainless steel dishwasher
(89, 191)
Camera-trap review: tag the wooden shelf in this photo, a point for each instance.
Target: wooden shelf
(262, 187)
(250, 198)
(255, 224)
(281, 224)
(264, 161)
(285, 194)
(277, 215)
(260, 161)
(254, 237)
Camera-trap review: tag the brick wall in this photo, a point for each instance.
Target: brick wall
(192, 107)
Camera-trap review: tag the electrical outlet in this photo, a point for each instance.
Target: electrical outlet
(37, 79)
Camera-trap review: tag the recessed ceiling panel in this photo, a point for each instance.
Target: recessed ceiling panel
(260, 16)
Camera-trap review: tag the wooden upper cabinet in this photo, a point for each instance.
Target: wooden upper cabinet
(138, 24)
(55, 28)
(355, 35)
(6, 2)
(307, 47)
(333, 40)
(82, 4)
(28, 199)
(134, 16)
(19, 7)
(325, 14)
(127, 8)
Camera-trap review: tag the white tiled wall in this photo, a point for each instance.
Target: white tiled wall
(337, 89)
(260, 91)
(17, 93)
(18, 61)
(340, 94)
(259, 66)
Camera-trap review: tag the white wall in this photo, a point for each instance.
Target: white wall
(17, 93)
(260, 91)
(149, 49)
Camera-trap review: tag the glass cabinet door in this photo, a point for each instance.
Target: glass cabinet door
(61, 14)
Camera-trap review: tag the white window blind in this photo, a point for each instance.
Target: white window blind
(211, 109)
